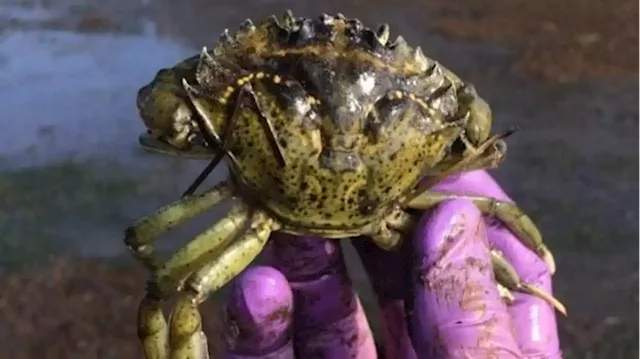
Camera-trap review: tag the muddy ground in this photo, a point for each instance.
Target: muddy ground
(71, 177)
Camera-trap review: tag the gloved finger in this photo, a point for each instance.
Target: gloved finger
(387, 271)
(456, 309)
(329, 321)
(534, 319)
(259, 316)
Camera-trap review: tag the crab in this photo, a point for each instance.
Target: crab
(328, 129)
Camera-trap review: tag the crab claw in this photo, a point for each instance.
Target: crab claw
(167, 114)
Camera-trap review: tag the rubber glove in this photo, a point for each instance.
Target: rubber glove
(437, 295)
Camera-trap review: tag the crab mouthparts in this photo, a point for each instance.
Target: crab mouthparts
(158, 144)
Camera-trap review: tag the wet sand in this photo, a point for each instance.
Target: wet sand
(559, 41)
(566, 74)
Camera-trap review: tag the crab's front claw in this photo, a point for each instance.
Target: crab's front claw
(157, 144)
(168, 115)
(478, 127)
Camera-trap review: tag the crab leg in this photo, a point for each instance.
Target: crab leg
(509, 213)
(392, 230)
(140, 237)
(152, 329)
(507, 276)
(387, 239)
(168, 278)
(187, 341)
(204, 174)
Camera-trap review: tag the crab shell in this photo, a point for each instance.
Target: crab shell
(331, 125)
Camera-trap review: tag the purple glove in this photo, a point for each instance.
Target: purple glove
(449, 308)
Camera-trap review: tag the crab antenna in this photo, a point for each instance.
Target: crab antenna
(226, 136)
(204, 174)
(460, 165)
(206, 128)
(211, 137)
(224, 141)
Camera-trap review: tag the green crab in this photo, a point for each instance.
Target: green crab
(328, 129)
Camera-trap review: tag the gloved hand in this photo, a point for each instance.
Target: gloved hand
(437, 297)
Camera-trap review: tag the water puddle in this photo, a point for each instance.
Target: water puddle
(69, 158)
(71, 94)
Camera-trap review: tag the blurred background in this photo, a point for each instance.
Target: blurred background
(72, 177)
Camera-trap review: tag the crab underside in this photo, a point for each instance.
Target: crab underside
(231, 103)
